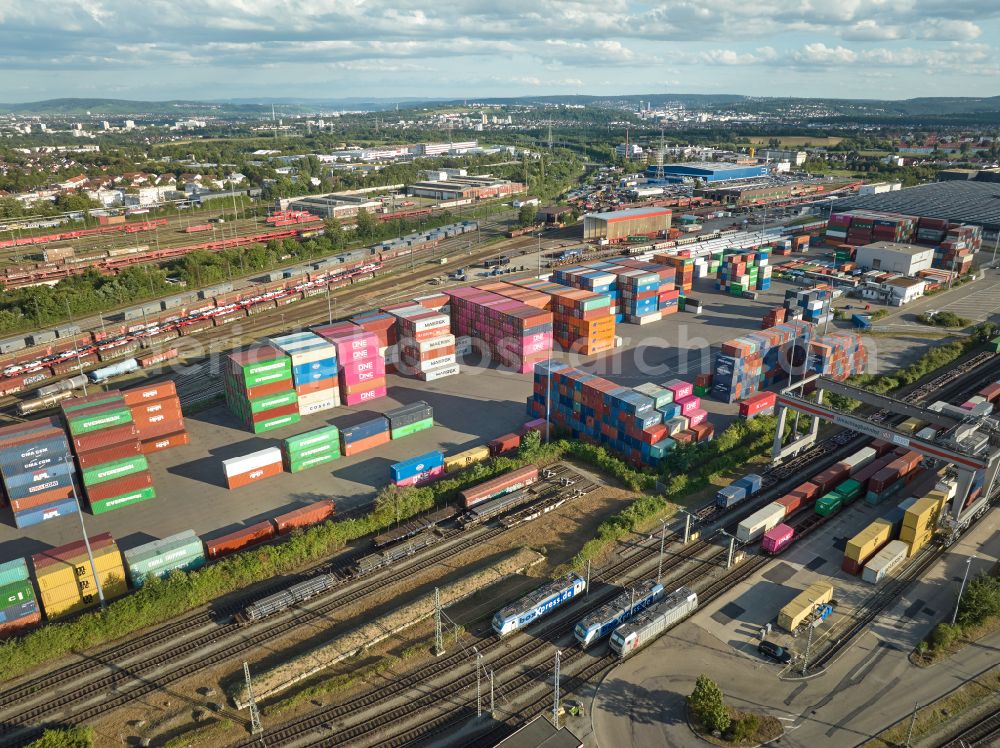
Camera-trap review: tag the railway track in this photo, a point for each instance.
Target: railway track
(985, 733)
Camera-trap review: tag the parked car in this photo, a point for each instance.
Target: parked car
(774, 652)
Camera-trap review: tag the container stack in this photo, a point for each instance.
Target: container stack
(758, 359)
(181, 552)
(409, 419)
(314, 371)
(837, 226)
(425, 343)
(883, 563)
(957, 249)
(515, 334)
(246, 469)
(418, 471)
(744, 273)
(114, 472)
(866, 544)
(813, 303)
(583, 321)
(66, 578)
(683, 265)
(365, 435)
(588, 278)
(362, 367)
(600, 412)
(774, 317)
(18, 606)
(919, 523)
(260, 390)
(37, 470)
(839, 355)
(156, 413)
(313, 448)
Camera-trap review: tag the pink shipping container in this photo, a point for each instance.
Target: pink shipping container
(679, 389)
(422, 478)
(697, 417)
(364, 397)
(364, 371)
(688, 404)
(776, 538)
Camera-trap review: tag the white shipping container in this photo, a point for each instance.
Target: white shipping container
(253, 461)
(884, 562)
(948, 486)
(437, 363)
(391, 354)
(859, 459)
(463, 344)
(439, 341)
(760, 522)
(927, 433)
(441, 373)
(320, 396)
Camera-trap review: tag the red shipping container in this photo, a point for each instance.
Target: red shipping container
(808, 491)
(880, 446)
(757, 404)
(153, 407)
(234, 541)
(106, 437)
(851, 566)
(159, 429)
(284, 410)
(107, 454)
(146, 393)
(144, 422)
(318, 386)
(791, 503)
(354, 389)
(18, 626)
(503, 444)
(94, 410)
(883, 479)
(70, 552)
(313, 514)
(362, 444)
(703, 431)
(245, 479)
(167, 441)
(271, 388)
(830, 477)
(117, 487)
(46, 497)
(501, 484)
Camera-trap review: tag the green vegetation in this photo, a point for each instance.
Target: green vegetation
(935, 358)
(978, 614)
(708, 705)
(201, 735)
(943, 319)
(879, 314)
(526, 215)
(70, 737)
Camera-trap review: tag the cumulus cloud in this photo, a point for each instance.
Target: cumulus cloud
(731, 57)
(818, 53)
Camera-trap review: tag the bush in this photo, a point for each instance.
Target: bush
(708, 705)
(944, 319)
(944, 635)
(71, 737)
(980, 601)
(744, 727)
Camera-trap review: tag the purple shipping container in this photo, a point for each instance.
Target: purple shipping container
(776, 539)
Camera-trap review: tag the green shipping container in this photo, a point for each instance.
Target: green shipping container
(305, 463)
(411, 429)
(126, 499)
(701, 391)
(275, 423)
(112, 470)
(139, 575)
(13, 571)
(828, 505)
(850, 489)
(98, 421)
(16, 593)
(266, 377)
(273, 401)
(299, 442)
(275, 365)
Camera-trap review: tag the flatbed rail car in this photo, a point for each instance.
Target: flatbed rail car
(601, 622)
(487, 510)
(279, 601)
(392, 554)
(651, 623)
(536, 604)
(414, 526)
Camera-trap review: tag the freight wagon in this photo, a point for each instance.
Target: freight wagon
(507, 483)
(650, 624)
(486, 510)
(607, 618)
(536, 604)
(285, 599)
(392, 554)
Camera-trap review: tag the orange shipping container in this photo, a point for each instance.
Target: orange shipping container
(167, 441)
(158, 391)
(245, 479)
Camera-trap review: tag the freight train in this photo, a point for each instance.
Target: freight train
(62, 236)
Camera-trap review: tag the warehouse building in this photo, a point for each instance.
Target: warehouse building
(335, 206)
(708, 171)
(892, 257)
(975, 202)
(465, 188)
(795, 158)
(618, 225)
(748, 194)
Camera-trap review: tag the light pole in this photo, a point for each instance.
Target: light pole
(961, 589)
(79, 363)
(86, 540)
(663, 536)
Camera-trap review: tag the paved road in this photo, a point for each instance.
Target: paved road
(641, 702)
(978, 301)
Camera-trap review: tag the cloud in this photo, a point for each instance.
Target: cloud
(818, 53)
(731, 57)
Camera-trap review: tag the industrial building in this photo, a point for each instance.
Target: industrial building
(465, 188)
(892, 257)
(708, 171)
(975, 202)
(335, 205)
(618, 225)
(748, 194)
(878, 188)
(795, 158)
(553, 214)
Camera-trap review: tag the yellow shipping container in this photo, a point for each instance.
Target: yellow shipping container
(868, 541)
(792, 615)
(940, 498)
(921, 515)
(910, 426)
(58, 608)
(55, 576)
(466, 458)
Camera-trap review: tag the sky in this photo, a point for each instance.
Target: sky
(220, 49)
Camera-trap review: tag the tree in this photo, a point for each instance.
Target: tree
(708, 705)
(526, 216)
(531, 442)
(365, 225)
(980, 601)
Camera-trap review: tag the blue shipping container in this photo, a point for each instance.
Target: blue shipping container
(416, 465)
(40, 514)
(20, 610)
(364, 430)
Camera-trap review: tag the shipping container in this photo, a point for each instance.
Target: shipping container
(506, 483)
(885, 562)
(804, 605)
(306, 516)
(760, 522)
(775, 539)
(242, 538)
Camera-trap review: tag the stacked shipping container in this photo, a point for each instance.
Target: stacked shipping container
(18, 607)
(365, 435)
(426, 346)
(37, 470)
(260, 390)
(246, 469)
(409, 419)
(810, 304)
(314, 370)
(313, 448)
(361, 364)
(66, 577)
(181, 552)
(743, 273)
(156, 413)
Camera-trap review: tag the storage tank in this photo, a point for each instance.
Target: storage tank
(107, 372)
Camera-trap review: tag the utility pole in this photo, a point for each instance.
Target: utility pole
(255, 726)
(586, 590)
(913, 722)
(961, 589)
(329, 307)
(809, 638)
(555, 697)
(479, 687)
(548, 402)
(732, 548)
(79, 366)
(86, 540)
(659, 566)
(438, 638)
(687, 526)
(493, 712)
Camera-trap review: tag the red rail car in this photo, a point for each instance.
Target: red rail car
(415, 213)
(129, 228)
(199, 227)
